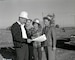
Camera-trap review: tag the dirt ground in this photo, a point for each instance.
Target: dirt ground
(62, 54)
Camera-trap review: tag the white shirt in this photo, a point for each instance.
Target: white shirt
(24, 35)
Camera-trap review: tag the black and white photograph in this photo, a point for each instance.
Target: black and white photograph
(37, 29)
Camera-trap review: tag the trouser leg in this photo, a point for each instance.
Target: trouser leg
(51, 53)
(22, 53)
(35, 54)
(30, 52)
(39, 54)
(46, 52)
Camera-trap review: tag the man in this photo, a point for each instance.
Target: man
(19, 37)
(50, 44)
(29, 34)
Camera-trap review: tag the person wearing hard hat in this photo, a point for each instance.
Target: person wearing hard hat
(37, 31)
(50, 44)
(20, 36)
(29, 28)
(51, 17)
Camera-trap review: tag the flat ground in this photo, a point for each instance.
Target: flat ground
(63, 52)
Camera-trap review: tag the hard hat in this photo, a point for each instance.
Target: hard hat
(46, 18)
(50, 16)
(36, 21)
(24, 14)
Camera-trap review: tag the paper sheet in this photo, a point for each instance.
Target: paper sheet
(40, 38)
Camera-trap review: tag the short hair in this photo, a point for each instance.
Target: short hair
(30, 19)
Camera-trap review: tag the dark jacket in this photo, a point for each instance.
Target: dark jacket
(17, 35)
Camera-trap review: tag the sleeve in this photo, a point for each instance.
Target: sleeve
(16, 34)
(53, 36)
(43, 31)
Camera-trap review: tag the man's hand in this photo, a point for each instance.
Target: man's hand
(54, 48)
(29, 40)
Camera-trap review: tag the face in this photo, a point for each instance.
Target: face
(35, 26)
(28, 23)
(46, 22)
(22, 20)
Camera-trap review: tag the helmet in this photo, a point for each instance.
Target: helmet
(36, 21)
(51, 16)
(46, 18)
(24, 14)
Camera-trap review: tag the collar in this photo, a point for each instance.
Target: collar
(20, 23)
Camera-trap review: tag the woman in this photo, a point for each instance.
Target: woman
(50, 44)
(36, 45)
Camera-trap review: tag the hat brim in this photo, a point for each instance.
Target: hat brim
(35, 22)
(46, 18)
(24, 17)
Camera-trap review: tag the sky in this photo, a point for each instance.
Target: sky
(64, 11)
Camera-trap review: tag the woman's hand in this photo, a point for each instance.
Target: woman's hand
(42, 48)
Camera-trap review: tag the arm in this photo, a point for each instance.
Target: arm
(54, 37)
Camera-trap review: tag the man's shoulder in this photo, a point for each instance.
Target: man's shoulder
(14, 24)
